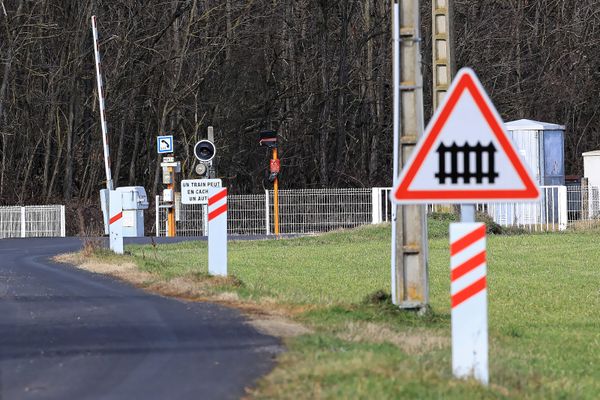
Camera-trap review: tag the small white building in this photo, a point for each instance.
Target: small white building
(542, 146)
(591, 167)
(591, 171)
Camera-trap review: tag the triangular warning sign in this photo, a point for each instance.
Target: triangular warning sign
(465, 155)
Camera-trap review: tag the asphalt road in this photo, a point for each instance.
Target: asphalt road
(70, 334)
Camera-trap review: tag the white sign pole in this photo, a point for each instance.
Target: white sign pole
(115, 221)
(467, 213)
(396, 132)
(468, 291)
(217, 231)
(109, 181)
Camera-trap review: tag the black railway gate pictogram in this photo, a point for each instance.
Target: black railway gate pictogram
(479, 173)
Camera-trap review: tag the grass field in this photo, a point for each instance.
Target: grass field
(544, 313)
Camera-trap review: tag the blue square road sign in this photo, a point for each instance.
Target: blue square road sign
(164, 144)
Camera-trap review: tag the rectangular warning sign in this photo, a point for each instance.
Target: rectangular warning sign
(195, 191)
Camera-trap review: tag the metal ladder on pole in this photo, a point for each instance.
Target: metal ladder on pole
(442, 48)
(410, 287)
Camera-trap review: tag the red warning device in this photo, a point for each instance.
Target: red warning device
(275, 166)
(465, 155)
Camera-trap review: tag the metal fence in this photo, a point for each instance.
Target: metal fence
(583, 205)
(32, 221)
(300, 211)
(246, 215)
(321, 210)
(547, 214)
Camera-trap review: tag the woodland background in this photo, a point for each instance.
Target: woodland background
(318, 71)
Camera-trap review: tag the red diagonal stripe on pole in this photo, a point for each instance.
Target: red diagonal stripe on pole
(468, 266)
(467, 240)
(212, 200)
(468, 292)
(215, 213)
(115, 218)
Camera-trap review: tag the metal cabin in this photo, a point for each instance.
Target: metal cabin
(541, 145)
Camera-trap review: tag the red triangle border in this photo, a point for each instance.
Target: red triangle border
(465, 82)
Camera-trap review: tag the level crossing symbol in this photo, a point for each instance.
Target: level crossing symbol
(465, 154)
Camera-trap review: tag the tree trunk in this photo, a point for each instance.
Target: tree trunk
(68, 178)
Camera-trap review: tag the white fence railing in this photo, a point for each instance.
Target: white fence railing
(547, 214)
(321, 210)
(32, 221)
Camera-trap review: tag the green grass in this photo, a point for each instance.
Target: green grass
(544, 314)
(298, 271)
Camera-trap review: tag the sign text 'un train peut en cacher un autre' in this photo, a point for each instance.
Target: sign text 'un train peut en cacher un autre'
(195, 191)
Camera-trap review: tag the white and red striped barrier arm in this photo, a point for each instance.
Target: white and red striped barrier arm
(468, 290)
(105, 139)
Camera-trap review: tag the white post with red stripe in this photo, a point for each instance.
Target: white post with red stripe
(217, 231)
(469, 301)
(115, 221)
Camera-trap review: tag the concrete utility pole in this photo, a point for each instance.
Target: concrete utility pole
(442, 44)
(410, 287)
(442, 48)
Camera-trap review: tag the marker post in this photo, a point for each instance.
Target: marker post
(115, 221)
(217, 231)
(468, 290)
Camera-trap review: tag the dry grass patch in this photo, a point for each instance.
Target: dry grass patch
(280, 327)
(126, 271)
(585, 225)
(414, 341)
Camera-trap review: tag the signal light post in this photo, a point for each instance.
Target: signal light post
(269, 139)
(171, 211)
(274, 169)
(170, 167)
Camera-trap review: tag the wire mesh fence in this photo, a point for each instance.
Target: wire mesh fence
(322, 210)
(32, 221)
(10, 222)
(246, 215)
(583, 206)
(300, 211)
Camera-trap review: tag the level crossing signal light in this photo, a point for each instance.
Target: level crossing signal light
(205, 151)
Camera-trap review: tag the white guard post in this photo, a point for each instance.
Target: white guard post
(469, 301)
(116, 221)
(217, 231)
